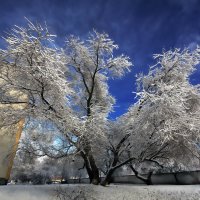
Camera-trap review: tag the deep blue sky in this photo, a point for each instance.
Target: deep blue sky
(140, 28)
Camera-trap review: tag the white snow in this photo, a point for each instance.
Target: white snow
(112, 192)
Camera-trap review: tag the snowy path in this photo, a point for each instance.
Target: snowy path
(113, 192)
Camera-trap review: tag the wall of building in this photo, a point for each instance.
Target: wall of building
(168, 178)
(8, 145)
(184, 178)
(10, 134)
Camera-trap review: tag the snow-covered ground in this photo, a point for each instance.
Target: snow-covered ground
(88, 192)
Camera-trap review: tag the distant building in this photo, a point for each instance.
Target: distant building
(10, 135)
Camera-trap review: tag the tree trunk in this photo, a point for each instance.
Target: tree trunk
(92, 170)
(95, 179)
(176, 178)
(146, 180)
(108, 178)
(113, 167)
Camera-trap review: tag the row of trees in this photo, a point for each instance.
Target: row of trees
(31, 169)
(68, 103)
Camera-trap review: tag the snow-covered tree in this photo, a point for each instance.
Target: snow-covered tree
(163, 125)
(66, 102)
(32, 66)
(67, 88)
(172, 101)
(92, 63)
